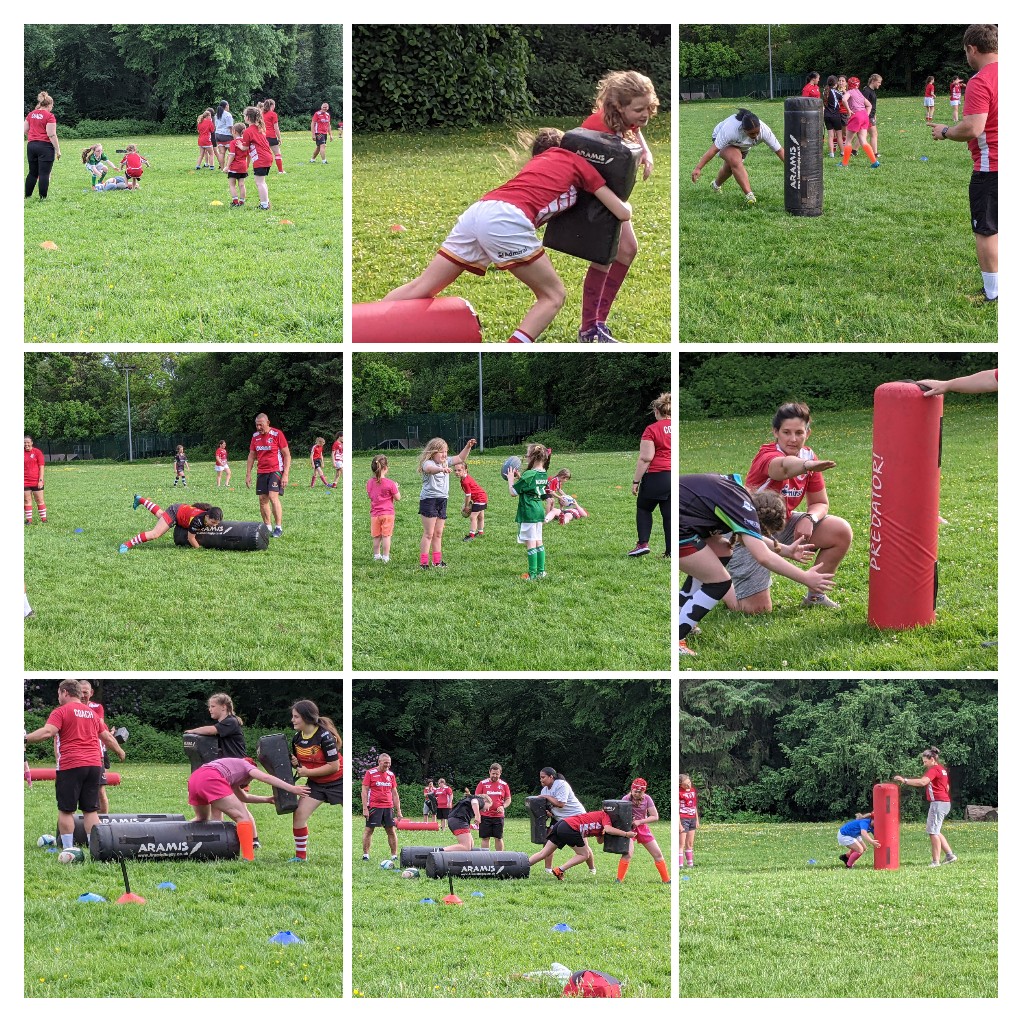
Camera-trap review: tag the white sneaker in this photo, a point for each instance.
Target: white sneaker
(366, 856)
(935, 864)
(385, 558)
(950, 858)
(549, 871)
(593, 871)
(378, 558)
(818, 601)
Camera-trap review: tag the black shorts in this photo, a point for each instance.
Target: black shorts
(327, 792)
(78, 789)
(691, 544)
(833, 120)
(269, 483)
(443, 812)
(563, 835)
(434, 508)
(273, 140)
(318, 463)
(492, 828)
(222, 138)
(380, 817)
(321, 139)
(478, 506)
(238, 174)
(39, 488)
(106, 765)
(261, 172)
(984, 196)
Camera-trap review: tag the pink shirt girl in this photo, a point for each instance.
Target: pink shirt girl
(382, 496)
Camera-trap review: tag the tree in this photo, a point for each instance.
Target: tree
(379, 390)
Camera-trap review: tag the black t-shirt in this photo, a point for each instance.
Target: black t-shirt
(231, 737)
(461, 814)
(710, 504)
(872, 97)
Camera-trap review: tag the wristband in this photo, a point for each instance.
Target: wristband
(944, 130)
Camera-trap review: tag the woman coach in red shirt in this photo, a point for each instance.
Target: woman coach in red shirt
(652, 483)
(43, 147)
(935, 783)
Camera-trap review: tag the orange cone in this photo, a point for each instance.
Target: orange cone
(245, 839)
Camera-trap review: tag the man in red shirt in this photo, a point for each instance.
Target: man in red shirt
(492, 821)
(935, 783)
(268, 450)
(34, 472)
(381, 804)
(85, 691)
(979, 128)
(77, 732)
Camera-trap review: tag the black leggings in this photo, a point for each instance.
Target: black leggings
(40, 162)
(655, 492)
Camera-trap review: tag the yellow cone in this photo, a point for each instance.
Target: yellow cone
(287, 222)
(216, 202)
(48, 245)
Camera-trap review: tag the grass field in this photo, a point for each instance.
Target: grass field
(161, 264)
(424, 181)
(401, 947)
(891, 260)
(758, 918)
(207, 938)
(162, 607)
(597, 609)
(797, 639)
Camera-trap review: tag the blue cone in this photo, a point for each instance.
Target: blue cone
(561, 928)
(286, 939)
(924, 159)
(167, 885)
(685, 878)
(426, 900)
(78, 529)
(480, 894)
(90, 897)
(51, 849)
(812, 862)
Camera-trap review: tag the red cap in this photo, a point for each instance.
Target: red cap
(639, 784)
(853, 82)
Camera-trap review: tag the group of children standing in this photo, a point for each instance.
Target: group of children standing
(541, 500)
(956, 90)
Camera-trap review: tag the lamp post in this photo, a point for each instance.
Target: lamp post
(128, 392)
(480, 390)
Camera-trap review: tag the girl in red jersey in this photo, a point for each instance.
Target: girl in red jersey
(220, 464)
(466, 813)
(259, 152)
(35, 470)
(501, 228)
(133, 162)
(929, 99)
(338, 456)
(316, 461)
(204, 129)
(236, 165)
(189, 517)
(935, 783)
(316, 756)
(574, 832)
(625, 102)
(689, 819)
(273, 132)
(320, 129)
(475, 503)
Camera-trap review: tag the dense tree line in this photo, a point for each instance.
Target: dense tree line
(414, 77)
(808, 750)
(735, 384)
(597, 399)
(163, 76)
(82, 395)
(157, 711)
(599, 734)
(904, 55)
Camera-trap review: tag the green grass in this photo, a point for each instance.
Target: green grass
(163, 265)
(597, 610)
(424, 181)
(163, 607)
(891, 260)
(758, 920)
(482, 948)
(796, 639)
(207, 938)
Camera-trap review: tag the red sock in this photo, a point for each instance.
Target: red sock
(622, 869)
(28, 513)
(662, 869)
(437, 557)
(42, 512)
(852, 859)
(150, 506)
(139, 538)
(279, 162)
(593, 286)
(301, 838)
(611, 289)
(520, 337)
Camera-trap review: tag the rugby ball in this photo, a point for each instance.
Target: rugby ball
(72, 856)
(387, 865)
(512, 462)
(411, 873)
(46, 841)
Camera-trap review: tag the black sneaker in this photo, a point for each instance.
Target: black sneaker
(441, 565)
(423, 565)
(844, 857)
(470, 536)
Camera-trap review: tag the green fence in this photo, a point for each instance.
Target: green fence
(145, 445)
(412, 431)
(744, 87)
